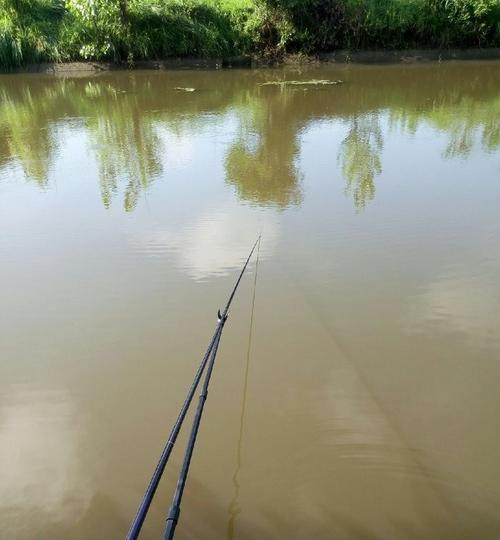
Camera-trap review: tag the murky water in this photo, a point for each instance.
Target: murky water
(361, 403)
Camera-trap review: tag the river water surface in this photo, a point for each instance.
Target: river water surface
(359, 399)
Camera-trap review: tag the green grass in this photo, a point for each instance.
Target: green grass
(33, 31)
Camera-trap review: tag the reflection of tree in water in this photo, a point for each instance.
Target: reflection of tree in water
(123, 139)
(465, 120)
(260, 163)
(125, 143)
(129, 154)
(359, 155)
(25, 133)
(120, 115)
(474, 122)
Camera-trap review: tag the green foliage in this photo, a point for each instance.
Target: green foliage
(467, 22)
(311, 25)
(128, 30)
(417, 23)
(29, 31)
(96, 26)
(270, 29)
(324, 25)
(11, 53)
(181, 28)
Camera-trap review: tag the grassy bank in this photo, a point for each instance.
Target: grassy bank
(33, 31)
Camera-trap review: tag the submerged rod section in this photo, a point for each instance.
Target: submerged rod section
(135, 527)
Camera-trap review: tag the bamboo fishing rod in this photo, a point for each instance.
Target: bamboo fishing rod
(136, 525)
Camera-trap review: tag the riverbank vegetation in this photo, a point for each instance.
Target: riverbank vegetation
(33, 31)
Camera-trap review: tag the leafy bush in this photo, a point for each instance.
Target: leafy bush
(181, 28)
(11, 53)
(97, 28)
(461, 22)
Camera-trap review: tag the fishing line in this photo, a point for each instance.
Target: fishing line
(234, 509)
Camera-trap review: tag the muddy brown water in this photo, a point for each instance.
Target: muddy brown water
(360, 401)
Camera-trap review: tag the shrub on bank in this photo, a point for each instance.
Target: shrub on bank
(325, 25)
(129, 30)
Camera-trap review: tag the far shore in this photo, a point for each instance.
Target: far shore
(407, 56)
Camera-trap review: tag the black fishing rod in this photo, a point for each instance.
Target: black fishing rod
(135, 527)
(175, 508)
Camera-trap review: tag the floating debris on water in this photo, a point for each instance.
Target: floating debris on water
(182, 89)
(312, 82)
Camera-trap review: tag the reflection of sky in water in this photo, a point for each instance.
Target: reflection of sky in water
(39, 454)
(216, 238)
(216, 243)
(460, 301)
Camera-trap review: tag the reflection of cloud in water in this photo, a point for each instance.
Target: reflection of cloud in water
(217, 242)
(38, 456)
(467, 303)
(179, 150)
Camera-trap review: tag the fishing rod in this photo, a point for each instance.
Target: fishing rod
(136, 525)
(175, 508)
